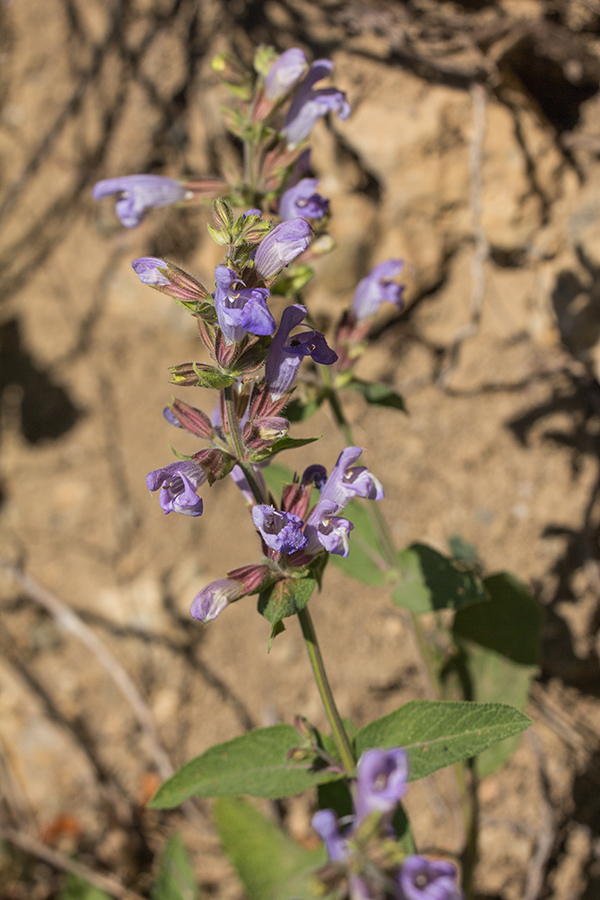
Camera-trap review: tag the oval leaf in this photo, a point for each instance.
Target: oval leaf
(436, 734)
(431, 581)
(254, 763)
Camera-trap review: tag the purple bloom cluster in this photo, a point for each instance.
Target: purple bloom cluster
(324, 529)
(380, 785)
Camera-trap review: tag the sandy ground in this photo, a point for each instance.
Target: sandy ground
(472, 152)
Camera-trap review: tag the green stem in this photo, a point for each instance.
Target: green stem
(338, 731)
(233, 426)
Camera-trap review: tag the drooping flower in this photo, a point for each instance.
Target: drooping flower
(240, 309)
(309, 105)
(169, 279)
(286, 353)
(281, 531)
(286, 71)
(178, 483)
(213, 599)
(137, 193)
(428, 879)
(282, 245)
(303, 201)
(381, 781)
(378, 287)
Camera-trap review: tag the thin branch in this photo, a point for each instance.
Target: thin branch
(33, 847)
(67, 619)
(482, 250)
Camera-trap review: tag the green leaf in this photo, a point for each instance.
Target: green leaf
(285, 598)
(175, 880)
(510, 624)
(431, 581)
(283, 443)
(270, 864)
(211, 377)
(436, 733)
(78, 889)
(501, 642)
(377, 394)
(365, 561)
(276, 476)
(298, 409)
(254, 763)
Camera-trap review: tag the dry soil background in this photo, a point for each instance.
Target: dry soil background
(472, 152)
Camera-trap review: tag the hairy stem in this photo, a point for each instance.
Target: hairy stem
(338, 731)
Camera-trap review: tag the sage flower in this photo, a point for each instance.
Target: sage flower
(178, 483)
(286, 71)
(137, 193)
(303, 201)
(281, 531)
(282, 245)
(381, 781)
(309, 105)
(427, 879)
(286, 353)
(378, 287)
(241, 310)
(213, 599)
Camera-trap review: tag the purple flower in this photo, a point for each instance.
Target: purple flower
(241, 310)
(281, 246)
(326, 825)
(347, 481)
(149, 270)
(325, 529)
(169, 279)
(378, 287)
(137, 193)
(215, 597)
(281, 531)
(286, 353)
(381, 781)
(428, 879)
(178, 483)
(303, 201)
(309, 105)
(285, 72)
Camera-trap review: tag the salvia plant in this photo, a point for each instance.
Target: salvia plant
(271, 222)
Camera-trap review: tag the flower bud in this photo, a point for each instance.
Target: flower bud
(281, 246)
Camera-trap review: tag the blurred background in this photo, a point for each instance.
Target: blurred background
(473, 153)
